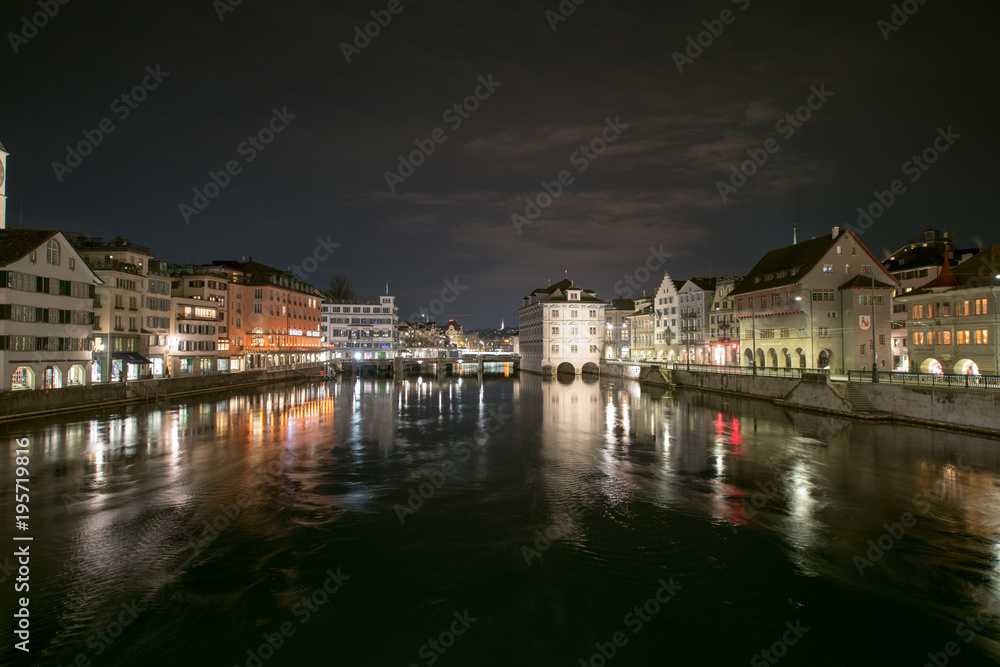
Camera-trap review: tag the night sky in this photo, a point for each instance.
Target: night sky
(671, 136)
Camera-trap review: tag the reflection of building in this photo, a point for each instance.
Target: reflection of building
(561, 329)
(118, 308)
(811, 304)
(914, 265)
(617, 332)
(46, 311)
(361, 330)
(642, 329)
(953, 318)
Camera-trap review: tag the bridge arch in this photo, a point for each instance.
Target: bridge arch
(966, 367)
(932, 366)
(590, 368)
(566, 368)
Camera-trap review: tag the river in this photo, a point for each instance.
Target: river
(499, 521)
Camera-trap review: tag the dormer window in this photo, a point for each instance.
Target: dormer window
(573, 295)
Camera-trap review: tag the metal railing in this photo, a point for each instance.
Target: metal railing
(708, 368)
(928, 379)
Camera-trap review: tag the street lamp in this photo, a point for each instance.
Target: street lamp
(812, 342)
(996, 327)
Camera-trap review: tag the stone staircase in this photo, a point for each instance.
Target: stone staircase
(856, 398)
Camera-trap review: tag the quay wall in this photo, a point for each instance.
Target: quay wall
(25, 404)
(972, 410)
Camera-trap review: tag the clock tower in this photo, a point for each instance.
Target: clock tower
(3, 187)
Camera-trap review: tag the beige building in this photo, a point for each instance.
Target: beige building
(821, 303)
(642, 325)
(666, 320)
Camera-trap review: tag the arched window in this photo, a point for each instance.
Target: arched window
(52, 252)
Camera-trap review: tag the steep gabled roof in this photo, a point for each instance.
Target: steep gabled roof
(16, 243)
(705, 284)
(979, 269)
(786, 266)
(864, 282)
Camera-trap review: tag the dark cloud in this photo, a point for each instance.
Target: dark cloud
(655, 184)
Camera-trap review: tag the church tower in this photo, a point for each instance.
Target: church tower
(3, 187)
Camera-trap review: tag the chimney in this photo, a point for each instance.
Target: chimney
(836, 232)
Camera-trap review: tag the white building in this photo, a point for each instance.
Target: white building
(357, 330)
(724, 331)
(666, 330)
(694, 303)
(46, 311)
(194, 341)
(561, 329)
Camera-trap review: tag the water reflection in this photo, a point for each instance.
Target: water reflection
(754, 506)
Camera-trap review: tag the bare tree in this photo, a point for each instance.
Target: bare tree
(340, 290)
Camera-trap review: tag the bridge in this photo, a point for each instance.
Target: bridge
(434, 366)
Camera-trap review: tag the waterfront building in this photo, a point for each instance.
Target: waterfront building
(119, 307)
(820, 303)
(724, 332)
(361, 329)
(561, 329)
(642, 329)
(694, 300)
(217, 284)
(617, 328)
(421, 338)
(914, 265)
(666, 331)
(195, 336)
(953, 323)
(47, 293)
(273, 318)
(455, 334)
(157, 319)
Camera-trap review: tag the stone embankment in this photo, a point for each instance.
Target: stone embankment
(974, 410)
(27, 404)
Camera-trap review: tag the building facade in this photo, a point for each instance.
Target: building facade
(561, 330)
(694, 303)
(618, 329)
(724, 332)
(822, 303)
(666, 321)
(642, 329)
(953, 321)
(361, 330)
(47, 293)
(119, 307)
